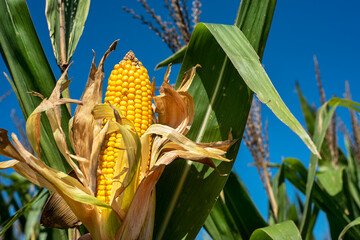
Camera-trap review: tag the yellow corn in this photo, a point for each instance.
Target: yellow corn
(129, 89)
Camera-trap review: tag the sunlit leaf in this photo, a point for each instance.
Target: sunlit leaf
(282, 231)
(186, 192)
(173, 59)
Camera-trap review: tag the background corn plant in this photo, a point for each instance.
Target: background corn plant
(230, 72)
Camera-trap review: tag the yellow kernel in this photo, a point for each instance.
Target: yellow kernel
(101, 193)
(102, 198)
(131, 96)
(101, 182)
(110, 164)
(109, 176)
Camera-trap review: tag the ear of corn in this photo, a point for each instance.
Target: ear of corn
(129, 89)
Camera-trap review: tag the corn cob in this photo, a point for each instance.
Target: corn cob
(129, 89)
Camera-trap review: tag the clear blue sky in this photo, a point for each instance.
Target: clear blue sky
(300, 29)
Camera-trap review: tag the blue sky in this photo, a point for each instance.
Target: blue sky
(300, 29)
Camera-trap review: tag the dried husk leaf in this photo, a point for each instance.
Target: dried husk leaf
(85, 127)
(39, 173)
(176, 108)
(51, 107)
(181, 140)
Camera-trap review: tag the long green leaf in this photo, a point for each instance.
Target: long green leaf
(246, 215)
(75, 14)
(338, 217)
(186, 192)
(322, 121)
(307, 111)
(352, 224)
(21, 211)
(173, 59)
(241, 208)
(282, 231)
(247, 63)
(29, 69)
(220, 223)
(279, 190)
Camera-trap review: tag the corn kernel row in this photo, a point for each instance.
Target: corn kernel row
(129, 89)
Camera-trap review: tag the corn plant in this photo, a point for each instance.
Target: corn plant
(75, 155)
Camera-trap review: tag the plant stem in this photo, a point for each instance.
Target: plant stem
(61, 4)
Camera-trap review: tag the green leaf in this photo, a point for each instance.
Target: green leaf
(220, 223)
(247, 63)
(337, 216)
(332, 180)
(32, 220)
(173, 59)
(187, 192)
(322, 121)
(308, 112)
(241, 208)
(282, 231)
(353, 223)
(21, 211)
(74, 13)
(30, 71)
(279, 190)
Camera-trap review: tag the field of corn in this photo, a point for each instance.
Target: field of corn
(128, 156)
